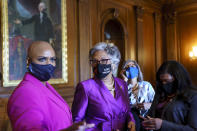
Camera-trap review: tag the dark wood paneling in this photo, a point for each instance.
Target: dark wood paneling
(72, 43)
(84, 39)
(158, 39)
(147, 60)
(187, 30)
(130, 47)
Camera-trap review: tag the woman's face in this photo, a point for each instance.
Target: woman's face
(100, 57)
(166, 78)
(44, 56)
(130, 64)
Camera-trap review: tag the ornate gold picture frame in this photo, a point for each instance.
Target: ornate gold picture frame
(15, 42)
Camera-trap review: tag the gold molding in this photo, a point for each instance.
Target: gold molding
(5, 46)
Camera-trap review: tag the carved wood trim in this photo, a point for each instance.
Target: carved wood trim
(111, 13)
(170, 17)
(139, 13)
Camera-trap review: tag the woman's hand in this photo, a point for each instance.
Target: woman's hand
(122, 73)
(17, 21)
(144, 106)
(151, 123)
(131, 126)
(80, 126)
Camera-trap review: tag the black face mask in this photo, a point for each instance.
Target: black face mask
(168, 88)
(102, 70)
(42, 72)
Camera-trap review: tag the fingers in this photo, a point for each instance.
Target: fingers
(142, 117)
(81, 128)
(131, 124)
(90, 125)
(132, 129)
(148, 117)
(149, 124)
(140, 106)
(83, 125)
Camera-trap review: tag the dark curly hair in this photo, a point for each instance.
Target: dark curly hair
(180, 74)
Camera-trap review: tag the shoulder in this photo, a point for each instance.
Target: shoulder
(27, 94)
(27, 87)
(26, 91)
(193, 97)
(145, 84)
(88, 82)
(188, 95)
(86, 85)
(121, 81)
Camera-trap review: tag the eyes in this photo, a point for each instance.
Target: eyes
(45, 59)
(166, 78)
(165, 81)
(102, 61)
(130, 66)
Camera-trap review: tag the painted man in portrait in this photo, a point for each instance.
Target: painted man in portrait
(43, 29)
(30, 20)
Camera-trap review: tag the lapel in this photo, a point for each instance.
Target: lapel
(48, 91)
(118, 88)
(167, 106)
(111, 102)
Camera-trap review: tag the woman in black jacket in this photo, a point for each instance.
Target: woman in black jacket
(174, 107)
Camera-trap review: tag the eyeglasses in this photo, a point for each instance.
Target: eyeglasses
(103, 61)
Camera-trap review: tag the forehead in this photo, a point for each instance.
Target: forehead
(166, 76)
(40, 50)
(47, 52)
(100, 55)
(131, 63)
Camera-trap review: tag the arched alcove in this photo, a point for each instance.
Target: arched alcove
(114, 33)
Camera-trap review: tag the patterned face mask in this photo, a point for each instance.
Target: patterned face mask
(42, 72)
(102, 70)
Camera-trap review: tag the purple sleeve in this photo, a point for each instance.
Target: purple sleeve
(80, 103)
(130, 115)
(25, 110)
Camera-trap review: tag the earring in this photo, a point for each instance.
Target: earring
(27, 66)
(113, 67)
(27, 62)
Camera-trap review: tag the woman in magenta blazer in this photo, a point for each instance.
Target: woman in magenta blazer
(35, 105)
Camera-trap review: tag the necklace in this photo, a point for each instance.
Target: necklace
(135, 87)
(135, 90)
(113, 89)
(110, 86)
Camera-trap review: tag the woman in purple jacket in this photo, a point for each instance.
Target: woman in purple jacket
(103, 99)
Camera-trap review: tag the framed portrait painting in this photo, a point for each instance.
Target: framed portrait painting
(25, 21)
